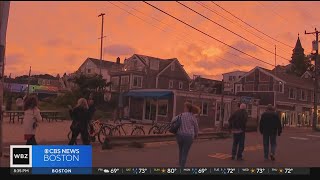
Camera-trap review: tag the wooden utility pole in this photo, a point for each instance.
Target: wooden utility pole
(4, 16)
(315, 104)
(28, 91)
(101, 38)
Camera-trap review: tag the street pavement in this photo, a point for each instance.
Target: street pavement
(297, 147)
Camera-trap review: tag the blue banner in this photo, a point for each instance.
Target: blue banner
(61, 170)
(61, 156)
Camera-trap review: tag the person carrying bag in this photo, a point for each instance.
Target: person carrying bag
(185, 127)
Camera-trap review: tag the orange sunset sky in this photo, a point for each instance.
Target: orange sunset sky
(56, 37)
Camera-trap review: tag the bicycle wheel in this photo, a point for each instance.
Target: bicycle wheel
(116, 131)
(103, 133)
(137, 132)
(154, 130)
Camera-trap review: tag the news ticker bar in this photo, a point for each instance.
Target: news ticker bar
(163, 171)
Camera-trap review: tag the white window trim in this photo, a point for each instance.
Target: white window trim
(294, 93)
(207, 108)
(170, 84)
(117, 79)
(122, 77)
(236, 86)
(305, 95)
(136, 76)
(167, 109)
(180, 85)
(282, 89)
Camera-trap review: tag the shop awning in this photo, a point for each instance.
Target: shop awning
(154, 94)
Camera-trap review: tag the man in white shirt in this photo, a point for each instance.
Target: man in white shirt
(19, 103)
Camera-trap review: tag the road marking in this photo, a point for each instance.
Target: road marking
(299, 138)
(313, 135)
(220, 156)
(226, 156)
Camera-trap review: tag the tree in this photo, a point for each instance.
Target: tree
(88, 84)
(300, 64)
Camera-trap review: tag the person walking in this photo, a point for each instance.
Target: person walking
(270, 127)
(92, 109)
(188, 130)
(237, 126)
(30, 120)
(80, 116)
(19, 103)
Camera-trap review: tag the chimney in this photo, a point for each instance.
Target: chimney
(118, 60)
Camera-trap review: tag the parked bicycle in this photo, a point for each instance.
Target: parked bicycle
(160, 128)
(118, 130)
(97, 127)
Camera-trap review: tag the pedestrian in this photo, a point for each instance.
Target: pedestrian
(30, 120)
(188, 130)
(19, 103)
(92, 109)
(270, 127)
(9, 103)
(237, 126)
(80, 116)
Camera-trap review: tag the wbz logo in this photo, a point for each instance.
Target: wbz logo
(20, 156)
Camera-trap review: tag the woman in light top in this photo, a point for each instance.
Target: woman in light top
(187, 131)
(30, 120)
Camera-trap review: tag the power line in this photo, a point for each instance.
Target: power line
(282, 18)
(265, 40)
(230, 30)
(166, 31)
(206, 33)
(251, 25)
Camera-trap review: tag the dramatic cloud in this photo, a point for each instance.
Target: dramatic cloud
(119, 50)
(14, 59)
(245, 46)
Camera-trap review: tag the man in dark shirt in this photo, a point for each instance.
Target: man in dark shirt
(270, 127)
(237, 125)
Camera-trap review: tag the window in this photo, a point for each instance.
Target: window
(124, 80)
(238, 88)
(89, 71)
(249, 109)
(312, 96)
(303, 95)
(163, 107)
(137, 82)
(263, 77)
(204, 109)
(180, 85)
(281, 87)
(263, 87)
(115, 83)
(292, 93)
(172, 66)
(230, 78)
(250, 77)
(248, 87)
(170, 84)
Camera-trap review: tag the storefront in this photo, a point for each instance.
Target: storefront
(162, 105)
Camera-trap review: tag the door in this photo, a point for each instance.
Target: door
(150, 111)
